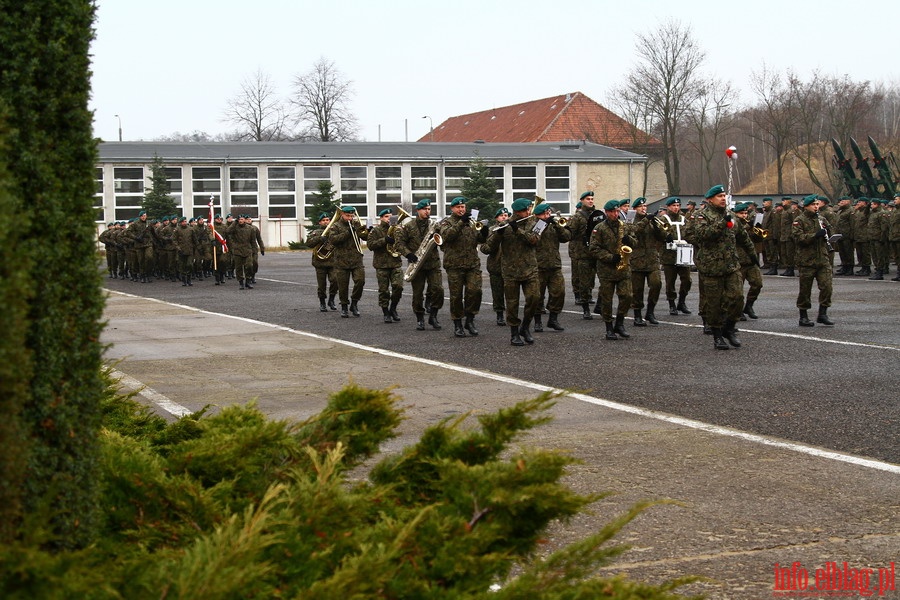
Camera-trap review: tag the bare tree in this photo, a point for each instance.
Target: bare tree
(710, 116)
(775, 116)
(666, 81)
(321, 104)
(256, 111)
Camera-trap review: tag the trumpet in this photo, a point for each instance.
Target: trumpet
(563, 221)
(326, 248)
(759, 231)
(661, 224)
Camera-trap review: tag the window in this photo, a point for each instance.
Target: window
(243, 183)
(98, 195)
(424, 184)
(129, 189)
(556, 181)
(313, 177)
(455, 178)
(354, 186)
(524, 182)
(388, 185)
(173, 178)
(282, 193)
(205, 182)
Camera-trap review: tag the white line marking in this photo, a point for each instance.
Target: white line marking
(634, 410)
(152, 395)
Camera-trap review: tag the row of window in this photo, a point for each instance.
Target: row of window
(352, 184)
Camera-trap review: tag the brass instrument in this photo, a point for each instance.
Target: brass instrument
(392, 230)
(357, 231)
(326, 248)
(563, 221)
(537, 200)
(759, 231)
(624, 251)
(661, 224)
(432, 238)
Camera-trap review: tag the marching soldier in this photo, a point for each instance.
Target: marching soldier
(460, 247)
(814, 263)
(607, 240)
(112, 257)
(518, 243)
(787, 241)
(411, 237)
(581, 225)
(326, 284)
(348, 262)
(388, 267)
(495, 268)
(257, 245)
(715, 241)
(550, 276)
(770, 253)
(677, 226)
(184, 240)
(749, 260)
(645, 263)
(239, 242)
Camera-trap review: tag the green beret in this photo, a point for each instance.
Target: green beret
(810, 199)
(862, 199)
(625, 202)
(502, 211)
(182, 219)
(218, 215)
(324, 215)
(611, 205)
(228, 216)
(673, 200)
(897, 195)
(110, 224)
(520, 204)
(715, 191)
(579, 205)
(346, 209)
(785, 197)
(458, 200)
(541, 208)
(767, 199)
(822, 198)
(741, 206)
(384, 211)
(586, 194)
(638, 201)
(423, 203)
(691, 203)
(142, 213)
(792, 201)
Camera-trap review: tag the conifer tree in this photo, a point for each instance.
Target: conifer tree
(158, 201)
(480, 189)
(323, 202)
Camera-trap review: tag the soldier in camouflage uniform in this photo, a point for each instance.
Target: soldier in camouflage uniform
(878, 235)
(844, 226)
(348, 260)
(111, 252)
(861, 236)
(495, 269)
(463, 266)
(645, 263)
(770, 251)
(239, 243)
(326, 284)
(184, 240)
(118, 239)
(581, 225)
(518, 243)
(259, 248)
(388, 267)
(141, 239)
(788, 247)
(165, 255)
(668, 256)
(748, 259)
(715, 241)
(550, 276)
(812, 255)
(410, 238)
(607, 239)
(894, 234)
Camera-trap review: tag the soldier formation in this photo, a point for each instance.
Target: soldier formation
(622, 251)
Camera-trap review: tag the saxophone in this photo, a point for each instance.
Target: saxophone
(623, 251)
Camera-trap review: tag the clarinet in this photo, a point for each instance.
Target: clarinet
(824, 226)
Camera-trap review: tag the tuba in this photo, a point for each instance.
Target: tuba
(326, 248)
(392, 230)
(432, 238)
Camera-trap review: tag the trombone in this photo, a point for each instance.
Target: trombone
(326, 248)
(537, 200)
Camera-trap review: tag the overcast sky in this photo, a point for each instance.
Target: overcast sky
(171, 65)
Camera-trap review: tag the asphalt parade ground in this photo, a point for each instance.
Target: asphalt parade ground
(785, 451)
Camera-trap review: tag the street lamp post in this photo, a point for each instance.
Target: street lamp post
(430, 126)
(120, 127)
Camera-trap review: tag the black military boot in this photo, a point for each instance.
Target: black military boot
(707, 330)
(240, 281)
(682, 307)
(538, 324)
(331, 302)
(598, 309)
(432, 318)
(458, 330)
(748, 309)
(638, 319)
(184, 281)
(470, 325)
(387, 314)
(864, 271)
(515, 339)
(649, 316)
(619, 327)
(823, 316)
(525, 332)
(420, 321)
(610, 333)
(188, 276)
(672, 310)
(354, 308)
(344, 312)
(730, 334)
(247, 285)
(773, 270)
(392, 310)
(322, 306)
(789, 272)
(719, 341)
(553, 322)
(587, 312)
(501, 318)
(804, 320)
(877, 276)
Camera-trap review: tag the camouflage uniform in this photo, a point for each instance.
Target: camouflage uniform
(877, 231)
(861, 238)
(749, 261)
(348, 264)
(894, 237)
(788, 246)
(491, 247)
(550, 277)
(668, 256)
(326, 283)
(141, 238)
(581, 225)
(814, 264)
(239, 243)
(112, 257)
(409, 238)
(258, 248)
(463, 266)
(645, 266)
(844, 226)
(518, 243)
(607, 238)
(771, 244)
(388, 271)
(184, 240)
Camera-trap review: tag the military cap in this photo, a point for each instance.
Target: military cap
(502, 211)
(110, 224)
(218, 215)
(824, 199)
(228, 216)
(458, 200)
(520, 204)
(625, 202)
(792, 201)
(786, 198)
(324, 215)
(384, 211)
(862, 199)
(897, 195)
(767, 199)
(715, 191)
(142, 213)
(691, 203)
(193, 220)
(673, 200)
(611, 205)
(579, 205)
(586, 194)
(423, 203)
(638, 201)
(182, 219)
(810, 199)
(541, 208)
(741, 206)
(346, 209)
